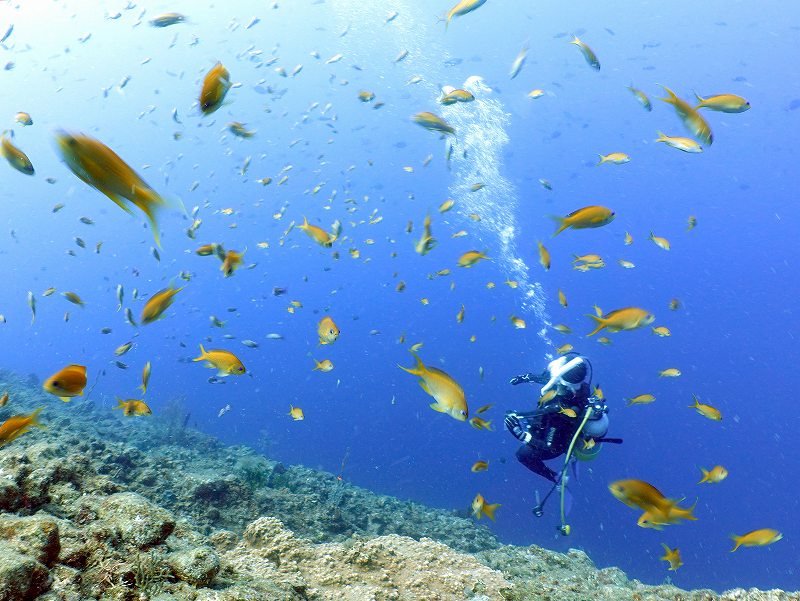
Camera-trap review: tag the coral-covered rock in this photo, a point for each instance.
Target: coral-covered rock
(36, 536)
(138, 521)
(21, 577)
(197, 566)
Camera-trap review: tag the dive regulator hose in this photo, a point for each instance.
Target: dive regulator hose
(564, 528)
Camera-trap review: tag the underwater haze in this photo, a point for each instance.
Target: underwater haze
(102, 69)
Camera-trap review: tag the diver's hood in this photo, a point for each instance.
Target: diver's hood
(569, 373)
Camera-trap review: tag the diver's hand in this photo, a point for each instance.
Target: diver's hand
(514, 426)
(521, 379)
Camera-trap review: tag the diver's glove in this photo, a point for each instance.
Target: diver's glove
(522, 379)
(515, 427)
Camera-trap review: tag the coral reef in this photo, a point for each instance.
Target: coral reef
(97, 507)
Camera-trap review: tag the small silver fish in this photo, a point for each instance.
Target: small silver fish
(129, 316)
(274, 336)
(32, 305)
(120, 296)
(121, 365)
(105, 331)
(250, 343)
(87, 220)
(154, 252)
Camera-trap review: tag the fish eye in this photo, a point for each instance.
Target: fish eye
(331, 332)
(55, 382)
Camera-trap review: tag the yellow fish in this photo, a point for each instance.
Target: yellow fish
(642, 98)
(617, 158)
(674, 304)
(216, 84)
(626, 264)
(15, 157)
(225, 362)
(587, 52)
(670, 372)
(67, 383)
(562, 328)
(446, 206)
(447, 393)
(327, 330)
(564, 349)
(233, 260)
(145, 377)
(562, 298)
(586, 217)
(662, 331)
(568, 412)
(456, 96)
(672, 556)
(756, 538)
(642, 399)
(470, 258)
(317, 234)
(684, 144)
(462, 8)
(460, 315)
(433, 122)
(100, 167)
(548, 396)
(534, 94)
(480, 424)
(691, 223)
(518, 322)
(480, 507)
(133, 407)
(479, 466)
(628, 239)
(17, 425)
(544, 256)
(725, 103)
(659, 242)
(427, 242)
(706, 411)
(693, 121)
(325, 365)
(23, 118)
(628, 318)
(296, 413)
(604, 340)
(158, 303)
(239, 130)
(714, 475)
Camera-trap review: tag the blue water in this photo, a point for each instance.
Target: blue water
(733, 339)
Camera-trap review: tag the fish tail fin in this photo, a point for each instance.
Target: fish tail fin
(147, 209)
(601, 323)
(417, 370)
(651, 236)
(602, 160)
(705, 475)
(661, 136)
(700, 99)
(34, 418)
(489, 510)
(202, 354)
(737, 540)
(562, 224)
(672, 96)
(695, 402)
(304, 225)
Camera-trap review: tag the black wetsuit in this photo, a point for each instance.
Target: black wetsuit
(551, 431)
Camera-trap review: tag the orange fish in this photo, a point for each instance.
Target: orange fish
(17, 425)
(67, 383)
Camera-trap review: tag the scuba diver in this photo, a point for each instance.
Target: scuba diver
(569, 420)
